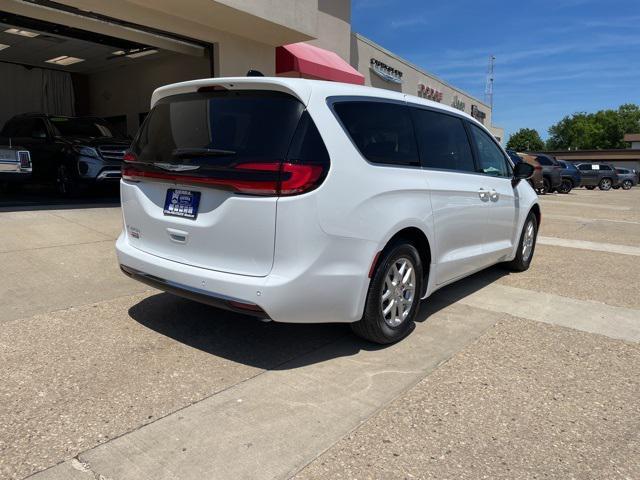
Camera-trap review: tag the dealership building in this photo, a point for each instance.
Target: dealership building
(105, 58)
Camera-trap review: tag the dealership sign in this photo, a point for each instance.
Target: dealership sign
(385, 72)
(457, 103)
(430, 93)
(478, 114)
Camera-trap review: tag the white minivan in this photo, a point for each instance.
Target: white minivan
(308, 201)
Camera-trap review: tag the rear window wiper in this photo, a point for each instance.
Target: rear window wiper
(202, 152)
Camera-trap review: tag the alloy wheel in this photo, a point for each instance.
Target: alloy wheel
(528, 241)
(62, 180)
(398, 291)
(605, 184)
(627, 184)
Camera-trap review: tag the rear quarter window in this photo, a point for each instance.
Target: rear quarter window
(382, 132)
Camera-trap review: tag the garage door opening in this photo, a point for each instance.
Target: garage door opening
(60, 72)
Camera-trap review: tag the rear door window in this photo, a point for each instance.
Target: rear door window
(382, 132)
(218, 129)
(443, 141)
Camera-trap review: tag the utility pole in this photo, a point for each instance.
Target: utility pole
(488, 89)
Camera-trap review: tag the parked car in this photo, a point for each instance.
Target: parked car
(571, 177)
(627, 178)
(305, 201)
(68, 151)
(536, 179)
(551, 172)
(15, 165)
(598, 175)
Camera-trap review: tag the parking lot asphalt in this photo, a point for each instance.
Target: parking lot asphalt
(103, 376)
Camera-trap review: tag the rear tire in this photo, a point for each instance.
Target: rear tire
(526, 245)
(565, 186)
(546, 186)
(393, 297)
(605, 184)
(627, 184)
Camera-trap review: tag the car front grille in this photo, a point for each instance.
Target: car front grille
(112, 152)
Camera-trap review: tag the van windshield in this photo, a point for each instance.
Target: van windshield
(219, 128)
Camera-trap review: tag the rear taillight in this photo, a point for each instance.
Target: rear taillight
(129, 157)
(25, 159)
(270, 178)
(537, 167)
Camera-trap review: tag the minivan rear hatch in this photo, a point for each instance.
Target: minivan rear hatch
(201, 183)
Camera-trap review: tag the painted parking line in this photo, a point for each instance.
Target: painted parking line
(571, 218)
(594, 246)
(589, 316)
(584, 204)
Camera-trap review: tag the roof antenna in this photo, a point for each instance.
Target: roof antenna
(254, 73)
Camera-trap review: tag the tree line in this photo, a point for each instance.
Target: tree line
(582, 131)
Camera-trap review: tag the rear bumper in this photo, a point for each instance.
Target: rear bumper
(15, 177)
(330, 289)
(198, 295)
(555, 179)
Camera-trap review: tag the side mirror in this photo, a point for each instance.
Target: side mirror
(521, 171)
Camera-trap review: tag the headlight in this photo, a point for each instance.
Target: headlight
(86, 151)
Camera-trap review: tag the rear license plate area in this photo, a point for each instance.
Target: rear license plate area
(182, 203)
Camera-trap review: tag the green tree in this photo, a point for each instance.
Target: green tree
(525, 139)
(601, 130)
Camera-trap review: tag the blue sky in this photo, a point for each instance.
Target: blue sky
(553, 57)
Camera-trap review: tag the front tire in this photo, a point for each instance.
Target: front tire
(526, 245)
(393, 297)
(64, 183)
(627, 184)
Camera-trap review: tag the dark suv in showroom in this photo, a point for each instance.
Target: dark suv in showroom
(68, 151)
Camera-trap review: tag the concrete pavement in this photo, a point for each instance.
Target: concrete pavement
(525, 401)
(105, 377)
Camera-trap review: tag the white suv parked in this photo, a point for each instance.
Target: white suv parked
(309, 201)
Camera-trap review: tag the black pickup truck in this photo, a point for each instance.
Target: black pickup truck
(68, 151)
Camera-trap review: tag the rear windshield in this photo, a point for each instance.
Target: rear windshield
(219, 128)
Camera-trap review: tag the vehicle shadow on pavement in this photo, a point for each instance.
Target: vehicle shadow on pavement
(272, 345)
(241, 338)
(457, 291)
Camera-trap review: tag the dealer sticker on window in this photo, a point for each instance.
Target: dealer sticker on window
(182, 203)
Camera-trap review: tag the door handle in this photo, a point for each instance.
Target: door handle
(483, 194)
(494, 196)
